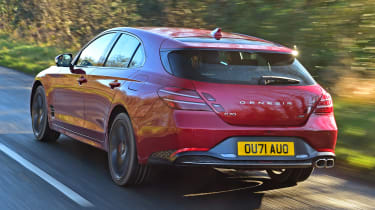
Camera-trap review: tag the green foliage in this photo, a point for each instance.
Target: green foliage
(331, 34)
(63, 23)
(334, 36)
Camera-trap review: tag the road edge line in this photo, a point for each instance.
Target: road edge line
(46, 177)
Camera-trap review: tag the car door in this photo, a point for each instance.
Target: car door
(70, 89)
(119, 68)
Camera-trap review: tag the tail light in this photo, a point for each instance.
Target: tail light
(325, 104)
(178, 98)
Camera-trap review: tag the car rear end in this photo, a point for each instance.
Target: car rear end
(253, 105)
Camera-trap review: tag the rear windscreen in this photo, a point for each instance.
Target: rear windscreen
(234, 67)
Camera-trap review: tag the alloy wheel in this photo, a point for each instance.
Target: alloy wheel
(39, 114)
(119, 149)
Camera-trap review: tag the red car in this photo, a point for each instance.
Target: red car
(188, 97)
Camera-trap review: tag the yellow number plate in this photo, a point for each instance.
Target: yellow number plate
(265, 148)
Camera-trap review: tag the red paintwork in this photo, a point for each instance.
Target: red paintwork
(171, 44)
(263, 99)
(191, 32)
(83, 111)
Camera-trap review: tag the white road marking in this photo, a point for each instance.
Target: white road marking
(257, 183)
(46, 177)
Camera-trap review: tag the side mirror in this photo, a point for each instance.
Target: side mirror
(64, 60)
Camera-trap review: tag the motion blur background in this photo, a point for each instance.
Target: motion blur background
(336, 40)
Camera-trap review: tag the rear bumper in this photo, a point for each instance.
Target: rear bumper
(203, 160)
(201, 129)
(225, 155)
(194, 159)
(214, 162)
(206, 130)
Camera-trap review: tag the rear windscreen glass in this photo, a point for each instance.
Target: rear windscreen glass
(234, 67)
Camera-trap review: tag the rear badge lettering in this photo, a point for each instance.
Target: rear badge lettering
(275, 103)
(230, 113)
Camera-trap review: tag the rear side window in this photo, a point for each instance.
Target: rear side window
(123, 51)
(234, 67)
(93, 54)
(139, 58)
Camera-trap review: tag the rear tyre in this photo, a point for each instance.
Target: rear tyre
(39, 117)
(281, 176)
(122, 154)
(304, 173)
(289, 176)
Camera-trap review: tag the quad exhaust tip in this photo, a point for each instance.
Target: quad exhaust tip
(325, 163)
(330, 163)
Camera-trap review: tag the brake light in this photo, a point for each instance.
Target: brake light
(178, 98)
(325, 104)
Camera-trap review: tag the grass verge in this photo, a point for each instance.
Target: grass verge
(356, 138)
(26, 57)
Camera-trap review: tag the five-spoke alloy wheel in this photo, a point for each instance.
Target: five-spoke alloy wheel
(122, 153)
(39, 117)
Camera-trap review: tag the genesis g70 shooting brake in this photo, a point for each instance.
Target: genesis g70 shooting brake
(188, 97)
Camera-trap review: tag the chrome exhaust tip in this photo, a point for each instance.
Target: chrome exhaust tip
(321, 163)
(330, 163)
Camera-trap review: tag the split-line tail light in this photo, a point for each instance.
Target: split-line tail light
(178, 98)
(210, 98)
(325, 104)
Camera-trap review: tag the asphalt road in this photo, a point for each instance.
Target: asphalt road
(30, 170)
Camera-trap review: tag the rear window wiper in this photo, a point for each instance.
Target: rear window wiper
(275, 80)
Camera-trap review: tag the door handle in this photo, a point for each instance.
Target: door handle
(81, 80)
(114, 84)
